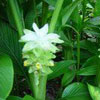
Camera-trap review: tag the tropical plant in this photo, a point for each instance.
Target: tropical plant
(49, 49)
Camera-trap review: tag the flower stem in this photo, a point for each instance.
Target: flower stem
(55, 15)
(39, 91)
(34, 86)
(42, 88)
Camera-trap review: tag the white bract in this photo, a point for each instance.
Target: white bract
(39, 50)
(39, 38)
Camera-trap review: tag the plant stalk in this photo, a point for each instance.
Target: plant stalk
(38, 91)
(34, 86)
(78, 55)
(78, 51)
(42, 88)
(98, 73)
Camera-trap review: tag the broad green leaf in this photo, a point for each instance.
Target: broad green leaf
(9, 44)
(68, 77)
(94, 92)
(76, 18)
(2, 99)
(14, 98)
(95, 21)
(88, 45)
(87, 71)
(29, 19)
(60, 68)
(68, 11)
(89, 67)
(92, 61)
(66, 3)
(76, 91)
(51, 2)
(15, 16)
(6, 76)
(65, 39)
(28, 97)
(97, 8)
(77, 98)
(55, 15)
(92, 32)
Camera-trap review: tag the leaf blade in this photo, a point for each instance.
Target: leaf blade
(6, 76)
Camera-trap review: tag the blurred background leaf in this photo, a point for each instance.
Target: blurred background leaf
(6, 76)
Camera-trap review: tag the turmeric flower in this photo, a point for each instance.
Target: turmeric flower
(39, 38)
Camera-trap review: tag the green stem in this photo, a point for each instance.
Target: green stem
(55, 15)
(14, 8)
(39, 91)
(78, 55)
(78, 51)
(34, 86)
(98, 73)
(42, 88)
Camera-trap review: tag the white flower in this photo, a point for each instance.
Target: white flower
(40, 39)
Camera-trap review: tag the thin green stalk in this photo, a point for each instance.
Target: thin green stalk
(14, 8)
(98, 73)
(38, 91)
(78, 51)
(55, 15)
(42, 88)
(34, 86)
